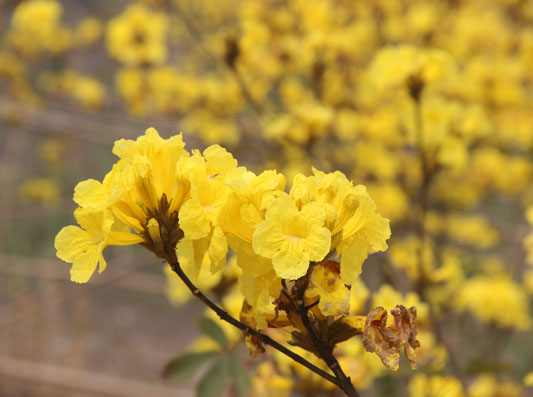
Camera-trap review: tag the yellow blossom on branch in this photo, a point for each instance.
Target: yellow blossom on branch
(189, 209)
(83, 246)
(292, 238)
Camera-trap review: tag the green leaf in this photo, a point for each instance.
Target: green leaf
(239, 376)
(213, 330)
(213, 383)
(182, 367)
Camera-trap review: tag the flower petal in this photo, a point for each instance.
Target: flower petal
(353, 254)
(193, 219)
(218, 249)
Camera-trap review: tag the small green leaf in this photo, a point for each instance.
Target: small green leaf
(213, 330)
(182, 367)
(239, 376)
(213, 383)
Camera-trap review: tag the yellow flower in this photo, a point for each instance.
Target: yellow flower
(143, 192)
(83, 246)
(36, 26)
(391, 200)
(434, 386)
(474, 230)
(212, 128)
(358, 296)
(138, 36)
(131, 86)
(46, 12)
(405, 255)
(198, 217)
(394, 66)
(147, 172)
(42, 190)
(89, 92)
(244, 210)
(208, 190)
(356, 228)
(291, 237)
(487, 385)
(495, 298)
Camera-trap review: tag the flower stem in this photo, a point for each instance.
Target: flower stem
(324, 351)
(267, 340)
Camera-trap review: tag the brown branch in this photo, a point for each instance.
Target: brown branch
(267, 340)
(324, 352)
(427, 177)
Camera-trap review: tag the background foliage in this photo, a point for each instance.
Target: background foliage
(428, 103)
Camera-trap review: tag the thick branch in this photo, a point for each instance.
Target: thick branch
(267, 340)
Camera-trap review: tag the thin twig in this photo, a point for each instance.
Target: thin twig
(267, 340)
(424, 186)
(428, 175)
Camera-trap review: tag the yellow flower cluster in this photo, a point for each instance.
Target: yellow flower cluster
(488, 386)
(496, 299)
(416, 66)
(139, 201)
(277, 235)
(36, 26)
(429, 386)
(165, 198)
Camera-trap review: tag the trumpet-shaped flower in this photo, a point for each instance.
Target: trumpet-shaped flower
(356, 228)
(83, 246)
(198, 217)
(143, 192)
(242, 213)
(292, 238)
